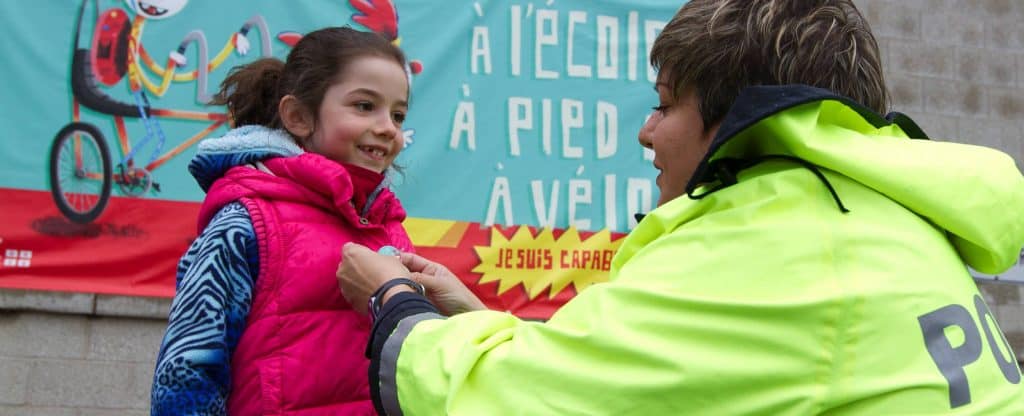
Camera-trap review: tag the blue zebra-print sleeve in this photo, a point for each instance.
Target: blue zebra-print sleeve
(215, 281)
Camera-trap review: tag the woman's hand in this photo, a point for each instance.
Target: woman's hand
(444, 289)
(362, 271)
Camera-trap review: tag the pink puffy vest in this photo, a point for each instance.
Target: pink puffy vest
(301, 352)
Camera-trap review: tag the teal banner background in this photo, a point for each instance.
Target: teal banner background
(524, 113)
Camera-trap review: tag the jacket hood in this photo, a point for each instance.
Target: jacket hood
(240, 146)
(974, 193)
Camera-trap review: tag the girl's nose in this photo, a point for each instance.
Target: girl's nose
(385, 127)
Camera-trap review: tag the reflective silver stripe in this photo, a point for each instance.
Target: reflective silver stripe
(389, 361)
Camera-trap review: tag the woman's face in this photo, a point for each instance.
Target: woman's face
(679, 139)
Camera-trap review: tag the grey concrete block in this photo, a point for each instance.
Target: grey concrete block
(143, 383)
(1019, 69)
(26, 334)
(1016, 340)
(14, 380)
(952, 27)
(906, 93)
(994, 9)
(866, 6)
(84, 384)
(893, 19)
(999, 293)
(109, 412)
(37, 411)
(985, 66)
(1002, 35)
(60, 302)
(131, 340)
(84, 303)
(979, 131)
(1011, 317)
(937, 126)
(133, 306)
(1007, 103)
(954, 98)
(1020, 155)
(884, 51)
(919, 59)
(997, 134)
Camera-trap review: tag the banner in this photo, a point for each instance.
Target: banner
(522, 171)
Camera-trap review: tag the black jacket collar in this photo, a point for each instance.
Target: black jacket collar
(759, 102)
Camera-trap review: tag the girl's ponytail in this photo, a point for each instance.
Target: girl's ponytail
(251, 93)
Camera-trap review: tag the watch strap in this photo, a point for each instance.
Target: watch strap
(375, 301)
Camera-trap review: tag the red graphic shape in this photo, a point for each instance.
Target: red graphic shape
(133, 249)
(377, 15)
(289, 38)
(109, 51)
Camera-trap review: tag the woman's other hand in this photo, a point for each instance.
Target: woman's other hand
(444, 289)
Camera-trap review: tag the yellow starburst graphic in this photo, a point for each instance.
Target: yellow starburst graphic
(543, 262)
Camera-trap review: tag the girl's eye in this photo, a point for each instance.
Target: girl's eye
(398, 116)
(364, 106)
(660, 108)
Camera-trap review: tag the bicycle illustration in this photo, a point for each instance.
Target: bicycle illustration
(81, 172)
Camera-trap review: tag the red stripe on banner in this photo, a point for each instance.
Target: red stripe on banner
(131, 249)
(134, 246)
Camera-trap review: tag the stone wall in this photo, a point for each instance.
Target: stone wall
(957, 67)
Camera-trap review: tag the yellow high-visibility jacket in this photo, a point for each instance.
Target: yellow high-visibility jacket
(757, 295)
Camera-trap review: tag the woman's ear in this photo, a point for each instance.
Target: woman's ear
(295, 117)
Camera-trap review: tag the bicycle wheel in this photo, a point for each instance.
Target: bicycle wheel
(80, 173)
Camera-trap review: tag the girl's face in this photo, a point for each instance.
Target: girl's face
(677, 134)
(360, 119)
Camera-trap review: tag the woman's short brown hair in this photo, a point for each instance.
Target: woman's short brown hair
(718, 47)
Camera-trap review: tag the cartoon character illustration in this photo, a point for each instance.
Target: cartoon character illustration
(156, 9)
(162, 9)
(81, 173)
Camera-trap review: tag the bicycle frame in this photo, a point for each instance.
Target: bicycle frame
(217, 119)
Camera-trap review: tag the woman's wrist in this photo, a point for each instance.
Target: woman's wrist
(389, 289)
(394, 291)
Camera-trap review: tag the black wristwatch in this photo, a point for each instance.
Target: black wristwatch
(375, 299)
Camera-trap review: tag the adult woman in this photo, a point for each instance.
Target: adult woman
(807, 255)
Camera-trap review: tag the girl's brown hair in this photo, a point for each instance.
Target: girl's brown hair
(252, 92)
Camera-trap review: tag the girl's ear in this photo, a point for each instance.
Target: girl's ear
(295, 117)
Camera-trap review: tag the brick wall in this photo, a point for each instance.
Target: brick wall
(1005, 300)
(955, 66)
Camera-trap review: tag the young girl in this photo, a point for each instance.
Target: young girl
(257, 306)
